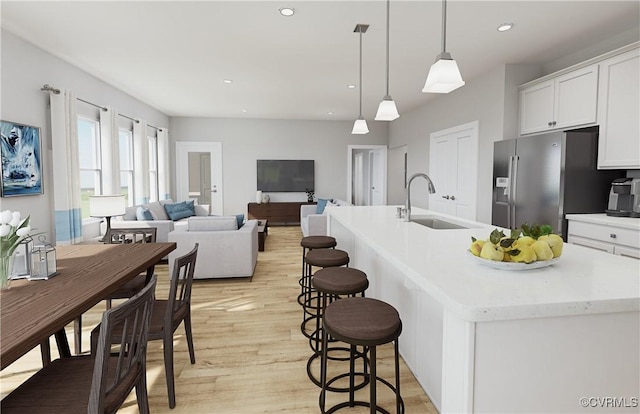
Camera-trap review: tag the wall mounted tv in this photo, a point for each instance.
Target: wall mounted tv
(285, 176)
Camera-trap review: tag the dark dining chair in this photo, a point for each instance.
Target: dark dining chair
(120, 236)
(99, 383)
(167, 316)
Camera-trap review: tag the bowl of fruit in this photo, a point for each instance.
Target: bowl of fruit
(528, 247)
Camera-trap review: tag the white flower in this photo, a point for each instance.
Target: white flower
(5, 217)
(4, 230)
(15, 219)
(23, 231)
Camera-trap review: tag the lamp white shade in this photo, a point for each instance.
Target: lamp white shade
(444, 77)
(387, 110)
(360, 127)
(106, 205)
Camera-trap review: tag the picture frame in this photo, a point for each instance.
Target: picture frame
(21, 159)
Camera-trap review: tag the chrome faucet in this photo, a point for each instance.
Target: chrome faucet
(407, 203)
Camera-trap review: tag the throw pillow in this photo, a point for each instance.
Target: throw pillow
(177, 211)
(322, 203)
(240, 219)
(144, 214)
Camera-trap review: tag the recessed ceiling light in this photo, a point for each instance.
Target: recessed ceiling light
(351, 86)
(244, 110)
(227, 80)
(329, 113)
(504, 27)
(287, 11)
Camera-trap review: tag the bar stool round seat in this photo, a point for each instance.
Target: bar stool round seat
(340, 280)
(364, 322)
(332, 283)
(318, 242)
(327, 258)
(318, 258)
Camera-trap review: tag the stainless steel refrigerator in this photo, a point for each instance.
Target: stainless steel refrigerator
(540, 178)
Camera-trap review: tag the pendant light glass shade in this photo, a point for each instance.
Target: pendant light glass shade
(387, 110)
(444, 75)
(360, 127)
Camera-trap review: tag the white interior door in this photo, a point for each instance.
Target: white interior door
(199, 173)
(377, 178)
(358, 179)
(453, 167)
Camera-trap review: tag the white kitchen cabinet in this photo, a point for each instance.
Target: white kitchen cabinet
(619, 111)
(616, 240)
(560, 102)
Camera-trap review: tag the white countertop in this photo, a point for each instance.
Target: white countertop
(632, 223)
(584, 281)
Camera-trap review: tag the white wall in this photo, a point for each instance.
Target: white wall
(246, 140)
(24, 69)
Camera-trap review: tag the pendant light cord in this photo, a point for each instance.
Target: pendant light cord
(360, 73)
(444, 26)
(388, 7)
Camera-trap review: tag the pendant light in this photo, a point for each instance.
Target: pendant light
(360, 126)
(387, 110)
(444, 75)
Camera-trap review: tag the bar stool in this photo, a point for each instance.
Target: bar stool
(312, 242)
(318, 258)
(332, 283)
(361, 322)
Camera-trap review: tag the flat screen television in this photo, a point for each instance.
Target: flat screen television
(282, 176)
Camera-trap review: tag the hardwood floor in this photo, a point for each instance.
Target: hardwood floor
(250, 354)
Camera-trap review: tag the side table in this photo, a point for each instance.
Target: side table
(263, 232)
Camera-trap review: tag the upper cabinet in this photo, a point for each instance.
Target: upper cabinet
(619, 111)
(560, 102)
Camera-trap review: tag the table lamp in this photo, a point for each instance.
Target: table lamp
(106, 206)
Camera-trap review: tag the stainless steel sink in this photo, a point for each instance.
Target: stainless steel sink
(437, 223)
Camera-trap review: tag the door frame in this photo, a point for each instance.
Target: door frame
(182, 164)
(350, 151)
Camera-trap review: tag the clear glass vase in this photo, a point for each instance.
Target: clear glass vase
(6, 263)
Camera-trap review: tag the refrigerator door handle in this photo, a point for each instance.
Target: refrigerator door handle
(513, 192)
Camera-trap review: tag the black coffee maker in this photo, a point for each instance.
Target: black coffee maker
(621, 198)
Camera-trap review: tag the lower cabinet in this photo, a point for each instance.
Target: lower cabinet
(615, 240)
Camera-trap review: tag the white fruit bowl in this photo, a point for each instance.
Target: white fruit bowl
(512, 265)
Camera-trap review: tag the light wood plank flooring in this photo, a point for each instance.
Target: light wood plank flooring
(250, 354)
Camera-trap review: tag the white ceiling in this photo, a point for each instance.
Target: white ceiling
(174, 55)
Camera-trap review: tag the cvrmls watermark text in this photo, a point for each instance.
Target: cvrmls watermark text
(609, 402)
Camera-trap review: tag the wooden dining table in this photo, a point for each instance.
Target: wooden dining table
(32, 311)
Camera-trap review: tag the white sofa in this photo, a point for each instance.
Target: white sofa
(314, 224)
(224, 250)
(162, 221)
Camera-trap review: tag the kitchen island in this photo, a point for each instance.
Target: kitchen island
(479, 339)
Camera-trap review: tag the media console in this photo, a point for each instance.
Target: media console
(277, 213)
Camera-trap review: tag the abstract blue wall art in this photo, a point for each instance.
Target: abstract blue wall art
(21, 159)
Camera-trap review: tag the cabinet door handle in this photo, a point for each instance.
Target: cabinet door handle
(550, 123)
(446, 196)
(453, 197)
(613, 235)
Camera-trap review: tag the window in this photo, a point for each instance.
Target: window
(153, 168)
(89, 161)
(126, 165)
